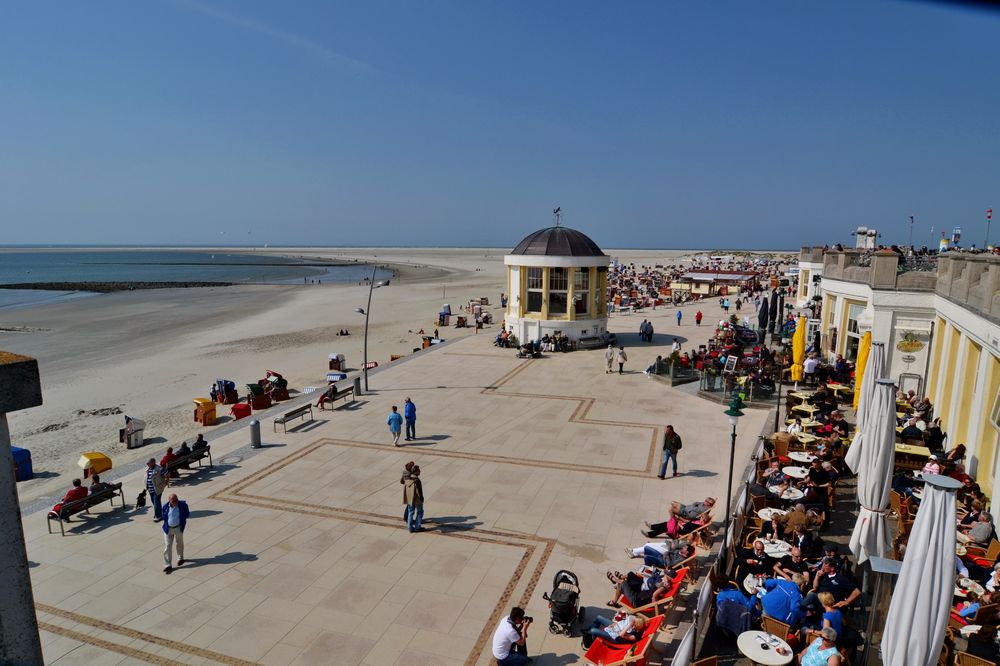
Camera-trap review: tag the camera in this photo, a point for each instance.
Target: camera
(528, 618)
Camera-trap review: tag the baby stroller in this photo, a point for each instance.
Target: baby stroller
(564, 603)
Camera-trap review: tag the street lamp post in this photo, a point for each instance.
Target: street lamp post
(734, 415)
(372, 285)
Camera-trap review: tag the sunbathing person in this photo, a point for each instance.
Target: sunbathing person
(638, 590)
(693, 510)
(625, 629)
(666, 554)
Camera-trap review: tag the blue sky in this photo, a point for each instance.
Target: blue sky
(653, 124)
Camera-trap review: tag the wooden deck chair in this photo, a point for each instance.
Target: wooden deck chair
(701, 536)
(966, 659)
(758, 503)
(983, 613)
(776, 627)
(661, 606)
(984, 557)
(632, 654)
(896, 503)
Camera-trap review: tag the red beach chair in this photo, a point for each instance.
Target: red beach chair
(610, 654)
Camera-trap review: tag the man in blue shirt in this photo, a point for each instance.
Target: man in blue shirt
(410, 414)
(175, 515)
(782, 599)
(395, 423)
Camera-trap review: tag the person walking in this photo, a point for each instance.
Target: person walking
(175, 515)
(679, 315)
(697, 318)
(621, 357)
(642, 331)
(413, 497)
(671, 446)
(410, 416)
(395, 423)
(156, 483)
(609, 359)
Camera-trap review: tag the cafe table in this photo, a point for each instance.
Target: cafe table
(801, 456)
(763, 648)
(912, 450)
(790, 494)
(799, 395)
(805, 438)
(966, 585)
(768, 513)
(752, 584)
(805, 409)
(839, 388)
(776, 549)
(795, 471)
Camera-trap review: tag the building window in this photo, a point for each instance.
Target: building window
(581, 291)
(534, 279)
(803, 284)
(852, 337)
(558, 291)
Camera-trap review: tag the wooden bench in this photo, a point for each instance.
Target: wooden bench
(78, 506)
(337, 395)
(184, 462)
(293, 414)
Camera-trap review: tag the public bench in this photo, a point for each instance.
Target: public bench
(293, 414)
(83, 504)
(336, 395)
(184, 462)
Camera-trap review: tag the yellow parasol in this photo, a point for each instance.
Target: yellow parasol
(859, 367)
(798, 349)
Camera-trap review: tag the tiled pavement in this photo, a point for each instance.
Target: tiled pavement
(298, 554)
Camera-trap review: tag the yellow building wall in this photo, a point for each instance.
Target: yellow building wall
(940, 328)
(969, 371)
(949, 372)
(988, 436)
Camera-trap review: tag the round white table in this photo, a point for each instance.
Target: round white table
(970, 629)
(778, 549)
(796, 472)
(801, 456)
(789, 494)
(751, 644)
(768, 513)
(917, 493)
(962, 587)
(753, 583)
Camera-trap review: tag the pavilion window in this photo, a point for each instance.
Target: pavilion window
(853, 334)
(535, 293)
(558, 291)
(581, 291)
(600, 290)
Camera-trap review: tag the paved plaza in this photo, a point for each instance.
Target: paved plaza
(298, 553)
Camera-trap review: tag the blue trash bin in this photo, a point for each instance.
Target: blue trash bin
(22, 464)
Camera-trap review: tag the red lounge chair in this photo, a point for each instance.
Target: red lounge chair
(611, 654)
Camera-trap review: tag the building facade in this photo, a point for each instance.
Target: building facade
(557, 279)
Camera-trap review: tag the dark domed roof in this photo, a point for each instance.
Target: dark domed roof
(558, 242)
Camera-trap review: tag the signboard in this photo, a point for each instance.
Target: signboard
(731, 362)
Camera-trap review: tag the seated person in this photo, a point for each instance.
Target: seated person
(782, 599)
(774, 476)
(922, 405)
(199, 443)
(817, 484)
(981, 531)
(838, 424)
(77, 492)
(665, 555)
(168, 458)
(800, 517)
(902, 482)
(837, 583)
(831, 554)
(932, 466)
(973, 514)
(754, 561)
(794, 427)
(911, 431)
(791, 564)
(637, 589)
(623, 629)
(183, 451)
(831, 618)
(966, 609)
(957, 454)
(327, 395)
(651, 368)
(983, 643)
(802, 539)
(823, 651)
(691, 511)
(97, 486)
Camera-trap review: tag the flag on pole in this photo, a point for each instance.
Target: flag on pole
(989, 213)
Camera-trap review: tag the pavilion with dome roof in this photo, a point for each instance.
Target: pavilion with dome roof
(557, 279)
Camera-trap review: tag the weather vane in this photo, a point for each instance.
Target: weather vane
(557, 214)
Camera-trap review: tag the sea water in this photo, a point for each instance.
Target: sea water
(158, 266)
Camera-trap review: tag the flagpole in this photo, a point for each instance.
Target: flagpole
(989, 219)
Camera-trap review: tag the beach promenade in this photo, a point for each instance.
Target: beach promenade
(297, 552)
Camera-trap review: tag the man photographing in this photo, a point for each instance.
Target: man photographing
(509, 647)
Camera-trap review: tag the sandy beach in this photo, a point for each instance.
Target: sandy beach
(147, 354)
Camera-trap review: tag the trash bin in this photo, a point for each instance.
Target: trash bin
(204, 411)
(22, 464)
(254, 434)
(357, 386)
